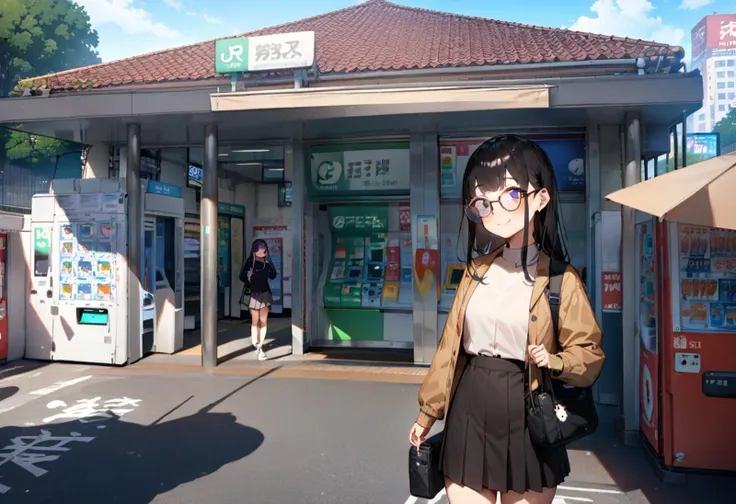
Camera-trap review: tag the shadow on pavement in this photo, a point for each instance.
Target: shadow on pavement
(7, 392)
(632, 473)
(119, 461)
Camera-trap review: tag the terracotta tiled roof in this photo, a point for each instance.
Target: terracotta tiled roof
(379, 35)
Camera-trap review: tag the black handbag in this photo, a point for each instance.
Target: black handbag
(558, 414)
(425, 472)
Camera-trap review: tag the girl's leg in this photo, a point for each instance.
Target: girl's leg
(458, 494)
(263, 318)
(546, 497)
(254, 323)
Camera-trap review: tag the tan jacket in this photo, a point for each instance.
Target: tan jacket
(577, 352)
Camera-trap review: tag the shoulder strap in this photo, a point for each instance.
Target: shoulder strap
(556, 272)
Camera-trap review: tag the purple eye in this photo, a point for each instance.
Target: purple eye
(514, 193)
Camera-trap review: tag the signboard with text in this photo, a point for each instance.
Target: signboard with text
(358, 218)
(701, 146)
(612, 295)
(714, 36)
(281, 51)
(341, 170)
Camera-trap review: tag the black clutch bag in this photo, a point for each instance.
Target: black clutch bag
(560, 414)
(425, 473)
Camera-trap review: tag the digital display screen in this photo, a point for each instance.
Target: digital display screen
(375, 272)
(354, 273)
(92, 316)
(702, 146)
(195, 176)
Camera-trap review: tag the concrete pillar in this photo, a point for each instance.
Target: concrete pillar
(135, 245)
(295, 157)
(208, 230)
(631, 176)
(425, 201)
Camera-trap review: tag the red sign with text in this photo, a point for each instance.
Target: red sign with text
(612, 296)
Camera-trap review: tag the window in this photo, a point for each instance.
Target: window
(701, 117)
(731, 96)
(730, 85)
(721, 96)
(720, 64)
(731, 63)
(721, 108)
(720, 75)
(701, 126)
(731, 74)
(722, 85)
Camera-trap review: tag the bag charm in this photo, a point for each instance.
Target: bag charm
(561, 412)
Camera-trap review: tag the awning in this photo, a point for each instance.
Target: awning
(387, 101)
(10, 222)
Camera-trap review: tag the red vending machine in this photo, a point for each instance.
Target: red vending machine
(687, 331)
(3, 300)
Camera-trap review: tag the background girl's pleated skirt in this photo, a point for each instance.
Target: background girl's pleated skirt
(486, 443)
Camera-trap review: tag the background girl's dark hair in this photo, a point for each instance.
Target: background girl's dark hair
(257, 244)
(528, 164)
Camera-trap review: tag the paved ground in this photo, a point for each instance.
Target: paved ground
(308, 433)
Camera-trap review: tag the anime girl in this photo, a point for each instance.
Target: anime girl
(256, 272)
(499, 337)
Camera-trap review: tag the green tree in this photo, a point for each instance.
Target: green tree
(29, 148)
(39, 37)
(727, 128)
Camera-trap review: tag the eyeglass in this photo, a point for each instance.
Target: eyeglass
(481, 207)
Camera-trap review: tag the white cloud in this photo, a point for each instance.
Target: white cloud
(131, 20)
(629, 18)
(211, 19)
(695, 4)
(174, 4)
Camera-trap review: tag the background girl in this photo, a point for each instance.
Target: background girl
(257, 271)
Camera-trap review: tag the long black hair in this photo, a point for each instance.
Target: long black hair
(528, 164)
(258, 243)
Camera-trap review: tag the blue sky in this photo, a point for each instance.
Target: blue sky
(131, 27)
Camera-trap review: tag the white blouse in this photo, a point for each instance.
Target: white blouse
(497, 315)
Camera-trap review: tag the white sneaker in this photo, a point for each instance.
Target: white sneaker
(261, 354)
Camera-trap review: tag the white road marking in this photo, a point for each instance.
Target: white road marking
(591, 490)
(59, 385)
(411, 500)
(563, 499)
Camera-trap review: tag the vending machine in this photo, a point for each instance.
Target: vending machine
(686, 287)
(78, 307)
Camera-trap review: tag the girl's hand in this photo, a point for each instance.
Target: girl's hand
(539, 355)
(417, 435)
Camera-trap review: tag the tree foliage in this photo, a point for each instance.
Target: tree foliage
(727, 128)
(38, 37)
(29, 148)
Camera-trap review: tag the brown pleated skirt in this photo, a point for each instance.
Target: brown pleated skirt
(486, 442)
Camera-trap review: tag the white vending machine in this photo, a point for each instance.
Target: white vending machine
(79, 310)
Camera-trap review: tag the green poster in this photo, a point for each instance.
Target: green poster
(223, 251)
(339, 170)
(358, 218)
(41, 240)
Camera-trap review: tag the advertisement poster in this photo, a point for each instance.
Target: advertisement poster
(648, 404)
(611, 295)
(707, 285)
(404, 217)
(87, 261)
(567, 156)
(701, 146)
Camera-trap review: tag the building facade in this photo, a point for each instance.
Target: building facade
(714, 55)
(400, 124)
